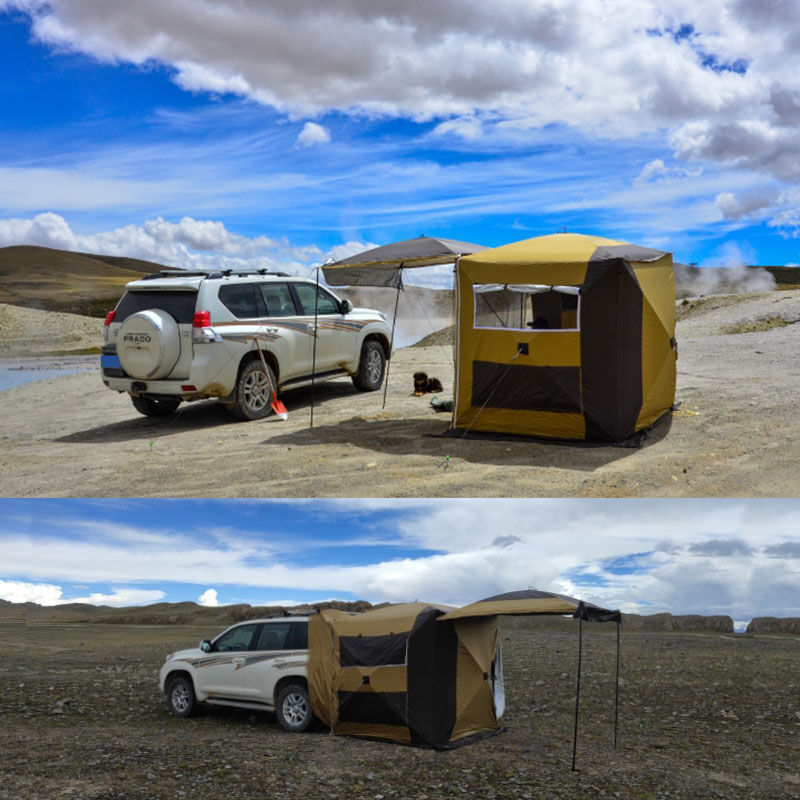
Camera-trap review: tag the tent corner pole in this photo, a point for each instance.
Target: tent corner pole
(314, 352)
(616, 692)
(391, 344)
(577, 692)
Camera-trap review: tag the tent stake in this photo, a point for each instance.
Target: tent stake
(314, 352)
(616, 692)
(577, 691)
(391, 344)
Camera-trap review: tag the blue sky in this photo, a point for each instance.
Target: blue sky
(280, 134)
(737, 557)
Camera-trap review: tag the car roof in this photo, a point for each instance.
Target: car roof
(191, 279)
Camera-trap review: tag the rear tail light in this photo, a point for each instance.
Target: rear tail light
(201, 328)
(202, 319)
(109, 320)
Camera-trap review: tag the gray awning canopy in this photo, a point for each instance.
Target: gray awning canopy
(382, 266)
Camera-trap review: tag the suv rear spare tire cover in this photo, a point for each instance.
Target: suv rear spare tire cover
(149, 344)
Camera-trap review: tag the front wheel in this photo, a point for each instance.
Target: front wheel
(370, 368)
(294, 709)
(253, 393)
(181, 698)
(154, 408)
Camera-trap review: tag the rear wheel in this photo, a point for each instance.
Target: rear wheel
(253, 393)
(370, 368)
(155, 408)
(181, 699)
(294, 708)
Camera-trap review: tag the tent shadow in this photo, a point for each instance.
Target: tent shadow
(423, 437)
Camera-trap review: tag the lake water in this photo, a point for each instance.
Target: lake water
(16, 371)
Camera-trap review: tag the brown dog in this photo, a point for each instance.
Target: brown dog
(423, 384)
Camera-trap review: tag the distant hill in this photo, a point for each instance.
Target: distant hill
(157, 613)
(91, 284)
(59, 280)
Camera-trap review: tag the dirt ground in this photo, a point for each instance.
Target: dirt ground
(736, 432)
(700, 716)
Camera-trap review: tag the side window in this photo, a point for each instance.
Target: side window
(238, 638)
(298, 639)
(307, 294)
(241, 300)
(274, 636)
(278, 299)
(527, 306)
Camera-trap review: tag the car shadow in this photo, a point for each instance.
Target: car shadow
(427, 437)
(203, 414)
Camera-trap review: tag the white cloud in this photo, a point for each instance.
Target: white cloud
(710, 78)
(186, 243)
(748, 204)
(467, 128)
(313, 134)
(736, 557)
(787, 222)
(621, 65)
(657, 171)
(45, 594)
(208, 598)
(120, 597)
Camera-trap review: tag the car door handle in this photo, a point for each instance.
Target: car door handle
(238, 662)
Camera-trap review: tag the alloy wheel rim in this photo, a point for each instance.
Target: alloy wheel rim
(374, 365)
(256, 391)
(295, 708)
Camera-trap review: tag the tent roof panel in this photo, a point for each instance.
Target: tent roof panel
(562, 248)
(533, 601)
(381, 266)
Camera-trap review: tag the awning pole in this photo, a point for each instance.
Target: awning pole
(314, 351)
(391, 344)
(616, 692)
(577, 691)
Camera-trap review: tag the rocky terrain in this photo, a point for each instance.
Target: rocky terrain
(700, 716)
(789, 625)
(191, 613)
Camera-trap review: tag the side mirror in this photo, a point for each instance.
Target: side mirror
(205, 646)
(346, 306)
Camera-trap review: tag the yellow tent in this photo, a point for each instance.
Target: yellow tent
(564, 336)
(419, 673)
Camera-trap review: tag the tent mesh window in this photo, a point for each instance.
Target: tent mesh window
(530, 306)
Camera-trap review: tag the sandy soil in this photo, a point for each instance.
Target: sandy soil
(736, 432)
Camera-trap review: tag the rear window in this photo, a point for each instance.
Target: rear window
(179, 304)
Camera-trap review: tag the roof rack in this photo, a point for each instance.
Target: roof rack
(175, 272)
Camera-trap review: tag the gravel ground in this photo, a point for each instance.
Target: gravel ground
(736, 432)
(701, 716)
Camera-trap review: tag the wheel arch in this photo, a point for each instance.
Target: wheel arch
(252, 355)
(288, 680)
(179, 673)
(381, 340)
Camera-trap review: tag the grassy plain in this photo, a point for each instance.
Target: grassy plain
(701, 716)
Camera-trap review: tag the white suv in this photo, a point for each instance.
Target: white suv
(178, 336)
(258, 664)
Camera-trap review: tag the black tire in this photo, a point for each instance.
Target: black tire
(252, 395)
(293, 709)
(155, 408)
(181, 699)
(371, 367)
